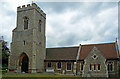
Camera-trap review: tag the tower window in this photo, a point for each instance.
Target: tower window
(39, 27)
(24, 42)
(25, 23)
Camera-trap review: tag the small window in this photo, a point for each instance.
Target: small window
(59, 65)
(49, 64)
(98, 66)
(39, 27)
(94, 67)
(81, 67)
(69, 65)
(24, 42)
(90, 67)
(110, 66)
(25, 23)
(94, 56)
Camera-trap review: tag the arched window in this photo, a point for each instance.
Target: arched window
(59, 65)
(25, 22)
(69, 66)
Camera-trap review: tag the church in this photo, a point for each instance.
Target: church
(30, 55)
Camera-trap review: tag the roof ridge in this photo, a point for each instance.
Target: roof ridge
(63, 47)
(99, 44)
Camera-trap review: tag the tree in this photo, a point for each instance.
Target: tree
(5, 52)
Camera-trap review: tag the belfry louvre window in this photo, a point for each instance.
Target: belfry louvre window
(59, 65)
(25, 23)
(49, 64)
(69, 66)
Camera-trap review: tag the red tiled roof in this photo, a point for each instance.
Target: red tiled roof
(108, 50)
(62, 53)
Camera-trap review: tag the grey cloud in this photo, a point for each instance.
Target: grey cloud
(72, 23)
(59, 7)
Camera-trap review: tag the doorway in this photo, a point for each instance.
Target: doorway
(24, 62)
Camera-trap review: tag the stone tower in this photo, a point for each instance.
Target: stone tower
(28, 47)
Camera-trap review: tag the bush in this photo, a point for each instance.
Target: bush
(3, 71)
(4, 68)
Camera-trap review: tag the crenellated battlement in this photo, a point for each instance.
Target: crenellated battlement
(31, 6)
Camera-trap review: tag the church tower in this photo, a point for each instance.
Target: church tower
(28, 47)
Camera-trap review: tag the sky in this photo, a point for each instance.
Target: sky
(67, 23)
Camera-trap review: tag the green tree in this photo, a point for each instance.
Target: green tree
(5, 53)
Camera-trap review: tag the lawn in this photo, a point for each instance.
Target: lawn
(44, 76)
(37, 75)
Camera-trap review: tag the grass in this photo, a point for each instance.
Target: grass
(37, 75)
(44, 76)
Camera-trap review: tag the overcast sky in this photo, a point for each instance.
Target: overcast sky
(68, 23)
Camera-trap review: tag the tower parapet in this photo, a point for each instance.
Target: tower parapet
(31, 6)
